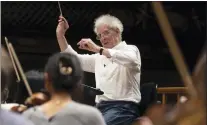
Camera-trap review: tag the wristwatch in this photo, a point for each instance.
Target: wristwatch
(101, 51)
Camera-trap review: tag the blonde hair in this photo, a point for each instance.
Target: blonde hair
(108, 20)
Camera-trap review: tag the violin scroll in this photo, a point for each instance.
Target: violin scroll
(37, 99)
(34, 100)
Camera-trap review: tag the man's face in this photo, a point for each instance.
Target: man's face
(107, 36)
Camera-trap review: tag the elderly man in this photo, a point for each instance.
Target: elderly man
(117, 68)
(7, 117)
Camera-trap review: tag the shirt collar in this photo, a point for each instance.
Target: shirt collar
(120, 45)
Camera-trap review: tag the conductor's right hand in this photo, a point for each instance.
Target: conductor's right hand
(62, 27)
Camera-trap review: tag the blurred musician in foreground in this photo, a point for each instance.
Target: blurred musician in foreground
(62, 76)
(7, 117)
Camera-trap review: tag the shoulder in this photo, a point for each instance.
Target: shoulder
(131, 47)
(94, 115)
(29, 112)
(83, 107)
(10, 118)
(89, 114)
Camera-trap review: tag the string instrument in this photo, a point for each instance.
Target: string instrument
(192, 112)
(33, 99)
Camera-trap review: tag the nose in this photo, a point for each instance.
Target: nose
(103, 41)
(103, 38)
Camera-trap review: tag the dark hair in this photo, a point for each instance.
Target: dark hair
(64, 70)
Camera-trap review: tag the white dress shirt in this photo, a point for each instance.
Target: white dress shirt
(119, 76)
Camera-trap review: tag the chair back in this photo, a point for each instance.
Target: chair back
(148, 95)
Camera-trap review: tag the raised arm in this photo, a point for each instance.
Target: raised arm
(129, 56)
(87, 61)
(62, 27)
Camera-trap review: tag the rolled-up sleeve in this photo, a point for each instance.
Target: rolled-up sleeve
(87, 61)
(128, 56)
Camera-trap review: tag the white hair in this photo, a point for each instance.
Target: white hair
(108, 20)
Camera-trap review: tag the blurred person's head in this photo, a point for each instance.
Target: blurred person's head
(63, 73)
(6, 73)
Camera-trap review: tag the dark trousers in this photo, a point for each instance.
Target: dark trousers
(118, 112)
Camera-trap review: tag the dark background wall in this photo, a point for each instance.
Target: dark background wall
(30, 26)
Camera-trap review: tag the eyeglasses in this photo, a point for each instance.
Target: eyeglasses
(105, 33)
